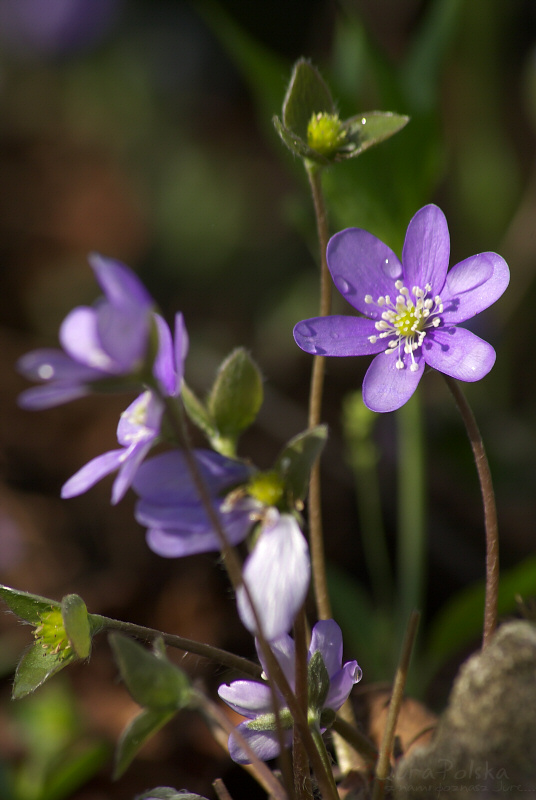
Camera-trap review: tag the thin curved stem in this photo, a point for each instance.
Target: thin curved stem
(275, 673)
(262, 773)
(316, 537)
(215, 654)
(397, 695)
(490, 511)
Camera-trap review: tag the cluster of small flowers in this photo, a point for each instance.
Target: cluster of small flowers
(122, 342)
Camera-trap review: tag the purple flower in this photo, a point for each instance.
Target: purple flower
(411, 308)
(277, 575)
(330, 682)
(139, 426)
(137, 432)
(170, 506)
(108, 340)
(277, 572)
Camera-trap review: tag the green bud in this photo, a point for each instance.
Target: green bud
(317, 683)
(51, 634)
(325, 133)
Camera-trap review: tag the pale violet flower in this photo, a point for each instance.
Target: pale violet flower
(329, 684)
(277, 575)
(411, 308)
(107, 340)
(139, 426)
(277, 571)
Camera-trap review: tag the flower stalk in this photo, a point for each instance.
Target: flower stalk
(490, 511)
(397, 695)
(316, 536)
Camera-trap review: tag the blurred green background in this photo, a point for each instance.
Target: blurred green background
(142, 129)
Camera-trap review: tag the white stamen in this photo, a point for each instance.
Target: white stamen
(408, 320)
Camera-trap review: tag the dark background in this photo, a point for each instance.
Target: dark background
(142, 130)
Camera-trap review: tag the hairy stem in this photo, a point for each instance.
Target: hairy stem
(490, 511)
(188, 645)
(316, 537)
(263, 775)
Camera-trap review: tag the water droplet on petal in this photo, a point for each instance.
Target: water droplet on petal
(342, 284)
(391, 268)
(45, 372)
(334, 335)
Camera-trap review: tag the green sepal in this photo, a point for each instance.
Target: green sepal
(297, 458)
(152, 680)
(36, 666)
(197, 412)
(77, 624)
(307, 94)
(167, 793)
(234, 400)
(367, 129)
(28, 607)
(138, 731)
(317, 682)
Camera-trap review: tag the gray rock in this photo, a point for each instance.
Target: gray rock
(485, 743)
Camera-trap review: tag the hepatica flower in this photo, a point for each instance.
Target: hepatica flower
(107, 340)
(276, 572)
(139, 426)
(329, 684)
(170, 508)
(411, 309)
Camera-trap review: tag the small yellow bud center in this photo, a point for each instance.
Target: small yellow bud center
(51, 634)
(267, 488)
(325, 133)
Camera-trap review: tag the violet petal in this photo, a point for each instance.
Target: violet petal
(338, 336)
(459, 353)
(248, 698)
(277, 574)
(426, 250)
(386, 388)
(326, 637)
(362, 264)
(92, 472)
(473, 285)
(264, 743)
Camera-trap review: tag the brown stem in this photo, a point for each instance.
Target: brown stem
(302, 779)
(384, 757)
(180, 642)
(214, 714)
(316, 537)
(490, 511)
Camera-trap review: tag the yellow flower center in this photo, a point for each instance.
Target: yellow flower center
(51, 633)
(266, 487)
(407, 319)
(325, 133)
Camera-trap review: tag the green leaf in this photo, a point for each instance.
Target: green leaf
(197, 412)
(368, 129)
(295, 462)
(36, 666)
(151, 679)
(76, 622)
(235, 399)
(307, 94)
(296, 145)
(25, 605)
(167, 793)
(137, 732)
